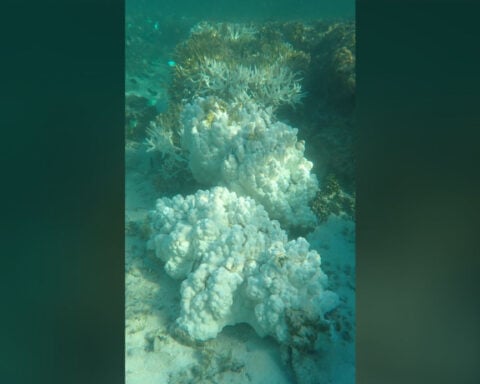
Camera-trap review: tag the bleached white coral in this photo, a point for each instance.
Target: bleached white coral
(240, 146)
(238, 266)
(225, 31)
(174, 159)
(161, 139)
(270, 85)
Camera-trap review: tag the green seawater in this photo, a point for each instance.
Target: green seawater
(235, 10)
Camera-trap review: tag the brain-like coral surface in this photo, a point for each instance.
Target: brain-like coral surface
(240, 146)
(238, 266)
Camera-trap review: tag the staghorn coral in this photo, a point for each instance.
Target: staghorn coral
(271, 85)
(235, 46)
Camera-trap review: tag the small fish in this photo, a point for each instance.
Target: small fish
(171, 63)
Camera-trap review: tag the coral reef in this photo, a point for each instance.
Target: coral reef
(237, 266)
(334, 58)
(332, 200)
(239, 146)
(235, 93)
(271, 85)
(218, 51)
(229, 90)
(303, 71)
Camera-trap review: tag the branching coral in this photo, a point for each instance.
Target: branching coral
(226, 31)
(271, 85)
(250, 61)
(174, 159)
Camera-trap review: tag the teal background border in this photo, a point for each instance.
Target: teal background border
(62, 192)
(417, 189)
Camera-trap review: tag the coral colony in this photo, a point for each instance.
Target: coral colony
(226, 241)
(237, 266)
